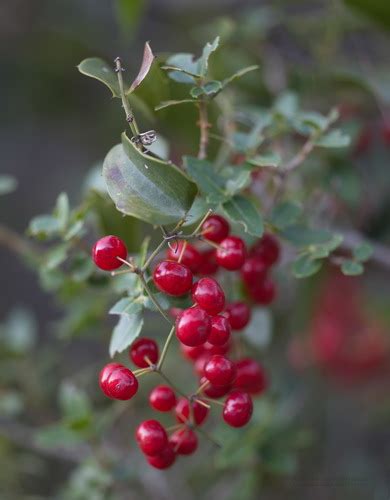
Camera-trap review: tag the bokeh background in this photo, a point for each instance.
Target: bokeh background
(55, 125)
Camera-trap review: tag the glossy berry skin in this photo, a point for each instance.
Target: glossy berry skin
(106, 250)
(162, 398)
(220, 331)
(172, 278)
(217, 349)
(215, 228)
(267, 249)
(254, 271)
(220, 371)
(265, 293)
(191, 258)
(231, 253)
(209, 264)
(193, 326)
(182, 411)
(238, 314)
(201, 362)
(209, 296)
(143, 348)
(184, 441)
(251, 377)
(163, 460)
(151, 437)
(238, 409)
(192, 353)
(118, 382)
(212, 391)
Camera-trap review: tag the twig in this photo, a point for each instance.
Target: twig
(153, 298)
(203, 128)
(165, 348)
(352, 239)
(125, 102)
(14, 242)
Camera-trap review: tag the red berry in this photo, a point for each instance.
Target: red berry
(238, 314)
(220, 330)
(209, 296)
(217, 349)
(209, 264)
(143, 348)
(193, 326)
(200, 363)
(212, 391)
(182, 411)
(267, 249)
(164, 459)
(106, 251)
(184, 441)
(231, 253)
(238, 409)
(264, 293)
(215, 228)
(192, 353)
(151, 437)
(172, 278)
(162, 398)
(118, 382)
(220, 371)
(251, 376)
(175, 312)
(254, 271)
(191, 256)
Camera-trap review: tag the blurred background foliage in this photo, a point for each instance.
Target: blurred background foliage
(323, 431)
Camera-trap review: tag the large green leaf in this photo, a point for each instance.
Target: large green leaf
(129, 326)
(241, 210)
(210, 183)
(150, 189)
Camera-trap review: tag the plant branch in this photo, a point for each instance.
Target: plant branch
(165, 348)
(152, 297)
(14, 242)
(125, 102)
(203, 128)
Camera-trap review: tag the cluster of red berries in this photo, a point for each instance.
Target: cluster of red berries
(204, 331)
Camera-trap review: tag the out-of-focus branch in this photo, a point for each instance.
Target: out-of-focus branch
(352, 239)
(204, 129)
(14, 242)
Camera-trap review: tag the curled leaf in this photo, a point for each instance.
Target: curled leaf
(146, 64)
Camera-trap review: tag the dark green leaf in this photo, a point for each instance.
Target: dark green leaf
(241, 210)
(237, 179)
(209, 182)
(352, 268)
(363, 252)
(285, 214)
(150, 189)
(100, 70)
(7, 184)
(305, 266)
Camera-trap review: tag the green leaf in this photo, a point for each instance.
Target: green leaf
(185, 68)
(302, 236)
(242, 210)
(322, 250)
(363, 252)
(209, 182)
(56, 256)
(238, 74)
(44, 227)
(237, 179)
(286, 105)
(75, 406)
(53, 436)
(150, 189)
(305, 266)
(266, 160)
(61, 211)
(285, 214)
(334, 139)
(352, 268)
(143, 251)
(167, 104)
(7, 184)
(129, 326)
(209, 89)
(203, 61)
(197, 211)
(100, 70)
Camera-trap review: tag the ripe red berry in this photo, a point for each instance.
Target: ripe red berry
(251, 377)
(212, 391)
(209, 296)
(191, 258)
(141, 349)
(217, 349)
(118, 382)
(231, 253)
(220, 371)
(200, 363)
(220, 331)
(238, 314)
(164, 459)
(184, 441)
(238, 409)
(192, 353)
(162, 398)
(193, 326)
(267, 249)
(209, 264)
(151, 437)
(264, 293)
(106, 251)
(254, 271)
(215, 228)
(172, 278)
(182, 411)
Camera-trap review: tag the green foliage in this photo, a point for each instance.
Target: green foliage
(242, 210)
(8, 184)
(129, 325)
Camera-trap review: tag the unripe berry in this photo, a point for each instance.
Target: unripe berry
(164, 459)
(172, 278)
(141, 349)
(231, 253)
(151, 437)
(238, 409)
(182, 411)
(251, 377)
(254, 271)
(220, 331)
(208, 294)
(118, 382)
(193, 326)
(267, 249)
(184, 441)
(106, 251)
(162, 398)
(215, 228)
(220, 371)
(238, 314)
(264, 293)
(191, 256)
